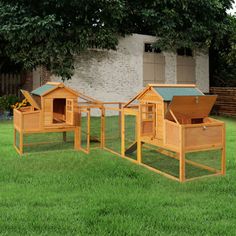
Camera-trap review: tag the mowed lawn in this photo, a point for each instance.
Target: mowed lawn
(70, 193)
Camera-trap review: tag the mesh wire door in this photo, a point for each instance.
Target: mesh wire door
(113, 130)
(130, 136)
(85, 131)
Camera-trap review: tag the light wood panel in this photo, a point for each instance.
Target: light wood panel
(203, 135)
(48, 111)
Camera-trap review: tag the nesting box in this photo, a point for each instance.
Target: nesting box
(176, 117)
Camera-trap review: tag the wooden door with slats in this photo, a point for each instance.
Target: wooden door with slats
(70, 111)
(148, 119)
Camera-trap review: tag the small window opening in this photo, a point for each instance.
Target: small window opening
(148, 47)
(185, 52)
(59, 110)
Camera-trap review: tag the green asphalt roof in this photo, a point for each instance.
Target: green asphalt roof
(168, 93)
(43, 89)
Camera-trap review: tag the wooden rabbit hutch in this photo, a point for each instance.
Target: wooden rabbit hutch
(175, 119)
(53, 108)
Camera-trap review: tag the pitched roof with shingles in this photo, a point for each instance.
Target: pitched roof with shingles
(167, 93)
(43, 89)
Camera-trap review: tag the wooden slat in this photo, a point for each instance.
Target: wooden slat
(10, 84)
(226, 100)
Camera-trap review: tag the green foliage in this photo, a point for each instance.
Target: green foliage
(7, 101)
(52, 32)
(223, 58)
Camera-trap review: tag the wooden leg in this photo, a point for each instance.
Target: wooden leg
(102, 127)
(14, 137)
(223, 165)
(182, 176)
(139, 152)
(223, 154)
(122, 133)
(88, 131)
(64, 136)
(77, 138)
(21, 143)
(138, 137)
(182, 167)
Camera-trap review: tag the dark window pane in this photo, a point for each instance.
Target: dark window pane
(180, 51)
(148, 47)
(157, 50)
(189, 52)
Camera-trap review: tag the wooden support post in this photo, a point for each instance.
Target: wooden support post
(223, 152)
(14, 137)
(77, 138)
(120, 106)
(122, 133)
(88, 131)
(182, 154)
(64, 136)
(102, 127)
(138, 136)
(21, 146)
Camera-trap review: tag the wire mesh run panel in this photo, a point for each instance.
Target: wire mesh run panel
(113, 130)
(130, 137)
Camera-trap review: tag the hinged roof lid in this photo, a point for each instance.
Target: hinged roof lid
(29, 98)
(43, 89)
(167, 93)
(191, 106)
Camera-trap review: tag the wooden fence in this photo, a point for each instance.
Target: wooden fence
(226, 100)
(10, 84)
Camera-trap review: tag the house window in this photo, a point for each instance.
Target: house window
(148, 47)
(185, 66)
(185, 52)
(147, 119)
(153, 65)
(69, 106)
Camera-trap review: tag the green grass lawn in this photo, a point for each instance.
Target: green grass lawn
(65, 192)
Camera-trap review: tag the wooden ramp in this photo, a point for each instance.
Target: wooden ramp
(132, 148)
(94, 139)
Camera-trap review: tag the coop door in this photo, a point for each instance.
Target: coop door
(69, 111)
(84, 131)
(148, 119)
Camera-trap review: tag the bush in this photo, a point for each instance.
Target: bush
(7, 101)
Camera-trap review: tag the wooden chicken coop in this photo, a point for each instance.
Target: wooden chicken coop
(176, 119)
(172, 118)
(53, 108)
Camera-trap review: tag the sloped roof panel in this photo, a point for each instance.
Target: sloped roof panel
(168, 93)
(43, 89)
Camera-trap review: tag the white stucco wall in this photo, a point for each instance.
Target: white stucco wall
(202, 71)
(118, 75)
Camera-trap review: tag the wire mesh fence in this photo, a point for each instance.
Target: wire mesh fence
(202, 163)
(130, 137)
(113, 130)
(197, 164)
(84, 131)
(95, 127)
(41, 142)
(160, 159)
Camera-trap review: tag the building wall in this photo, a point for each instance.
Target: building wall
(118, 75)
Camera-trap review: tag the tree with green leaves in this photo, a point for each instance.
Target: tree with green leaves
(52, 32)
(223, 57)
